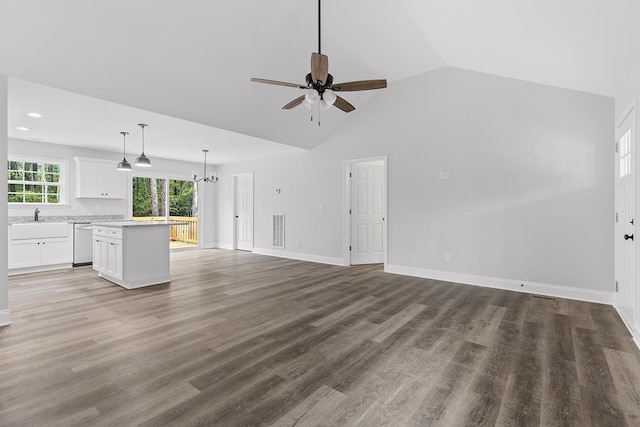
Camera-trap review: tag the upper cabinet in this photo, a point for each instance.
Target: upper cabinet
(99, 179)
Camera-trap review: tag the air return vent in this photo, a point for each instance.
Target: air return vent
(278, 231)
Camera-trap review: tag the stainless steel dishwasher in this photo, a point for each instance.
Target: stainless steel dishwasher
(82, 244)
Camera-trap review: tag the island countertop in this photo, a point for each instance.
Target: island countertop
(121, 224)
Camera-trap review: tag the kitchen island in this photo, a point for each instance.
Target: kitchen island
(132, 254)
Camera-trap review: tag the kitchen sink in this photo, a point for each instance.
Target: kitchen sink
(38, 230)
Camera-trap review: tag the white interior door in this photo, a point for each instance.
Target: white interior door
(244, 211)
(367, 213)
(625, 225)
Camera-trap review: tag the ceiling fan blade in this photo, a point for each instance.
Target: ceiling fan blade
(319, 67)
(294, 103)
(277, 83)
(359, 85)
(343, 104)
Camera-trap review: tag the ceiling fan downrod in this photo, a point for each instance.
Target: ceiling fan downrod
(319, 30)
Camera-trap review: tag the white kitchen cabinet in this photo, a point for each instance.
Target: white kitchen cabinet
(56, 251)
(24, 253)
(99, 252)
(99, 179)
(39, 252)
(114, 258)
(39, 246)
(132, 255)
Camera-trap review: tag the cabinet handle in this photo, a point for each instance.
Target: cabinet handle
(112, 244)
(38, 242)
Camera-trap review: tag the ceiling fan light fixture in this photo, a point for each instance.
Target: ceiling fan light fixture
(311, 96)
(329, 97)
(319, 86)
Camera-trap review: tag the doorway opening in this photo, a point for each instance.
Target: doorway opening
(167, 199)
(365, 221)
(243, 211)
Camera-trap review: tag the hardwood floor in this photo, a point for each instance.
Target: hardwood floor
(243, 339)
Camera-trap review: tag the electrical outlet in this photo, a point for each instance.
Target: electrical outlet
(321, 208)
(447, 257)
(447, 175)
(441, 176)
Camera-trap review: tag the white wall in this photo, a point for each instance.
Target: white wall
(531, 196)
(75, 206)
(627, 95)
(4, 286)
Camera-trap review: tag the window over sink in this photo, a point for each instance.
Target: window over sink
(35, 181)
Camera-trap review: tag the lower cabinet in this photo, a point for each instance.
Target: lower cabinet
(114, 258)
(99, 252)
(132, 255)
(39, 252)
(107, 251)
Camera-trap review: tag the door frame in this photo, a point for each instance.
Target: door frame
(235, 177)
(346, 204)
(630, 110)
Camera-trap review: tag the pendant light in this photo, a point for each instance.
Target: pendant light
(142, 160)
(205, 178)
(124, 165)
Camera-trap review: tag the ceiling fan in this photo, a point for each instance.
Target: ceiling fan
(319, 83)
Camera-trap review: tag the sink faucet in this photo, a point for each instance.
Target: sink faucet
(35, 214)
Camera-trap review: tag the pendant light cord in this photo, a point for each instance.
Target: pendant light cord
(124, 144)
(142, 126)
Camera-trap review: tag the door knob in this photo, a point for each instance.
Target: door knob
(627, 237)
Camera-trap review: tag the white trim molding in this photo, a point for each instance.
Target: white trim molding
(39, 268)
(300, 256)
(634, 331)
(228, 246)
(5, 317)
(506, 284)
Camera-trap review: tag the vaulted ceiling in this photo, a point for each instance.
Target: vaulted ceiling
(193, 59)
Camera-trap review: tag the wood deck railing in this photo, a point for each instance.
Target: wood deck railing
(187, 233)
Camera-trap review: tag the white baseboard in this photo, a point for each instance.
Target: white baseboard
(228, 246)
(38, 269)
(634, 330)
(299, 256)
(5, 317)
(506, 284)
(210, 246)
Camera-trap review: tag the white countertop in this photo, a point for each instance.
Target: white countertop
(120, 224)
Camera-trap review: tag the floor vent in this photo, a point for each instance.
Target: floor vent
(278, 231)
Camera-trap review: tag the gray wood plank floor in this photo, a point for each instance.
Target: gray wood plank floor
(243, 339)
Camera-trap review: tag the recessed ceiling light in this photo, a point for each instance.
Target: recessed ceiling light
(23, 128)
(36, 115)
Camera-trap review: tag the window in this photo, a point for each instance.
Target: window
(625, 154)
(35, 182)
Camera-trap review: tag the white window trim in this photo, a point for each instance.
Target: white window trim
(62, 185)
